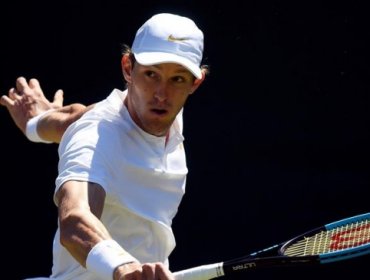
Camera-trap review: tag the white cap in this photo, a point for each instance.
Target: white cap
(169, 38)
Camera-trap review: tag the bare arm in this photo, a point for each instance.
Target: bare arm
(52, 125)
(80, 205)
(27, 100)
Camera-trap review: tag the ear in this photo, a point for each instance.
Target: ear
(198, 82)
(126, 65)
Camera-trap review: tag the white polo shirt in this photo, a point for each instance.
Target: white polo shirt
(144, 180)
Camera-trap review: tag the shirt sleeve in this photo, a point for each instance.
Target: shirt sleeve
(79, 156)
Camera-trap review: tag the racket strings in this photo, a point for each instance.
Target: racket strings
(339, 238)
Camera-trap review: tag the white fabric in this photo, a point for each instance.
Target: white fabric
(105, 256)
(31, 128)
(144, 180)
(169, 38)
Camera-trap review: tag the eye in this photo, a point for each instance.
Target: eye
(178, 79)
(150, 74)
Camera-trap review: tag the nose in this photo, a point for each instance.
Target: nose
(161, 92)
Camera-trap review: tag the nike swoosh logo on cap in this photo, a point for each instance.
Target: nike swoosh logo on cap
(171, 38)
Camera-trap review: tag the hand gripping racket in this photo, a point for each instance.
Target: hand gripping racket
(340, 240)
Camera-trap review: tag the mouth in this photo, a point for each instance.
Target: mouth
(159, 112)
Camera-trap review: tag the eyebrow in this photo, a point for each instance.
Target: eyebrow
(180, 69)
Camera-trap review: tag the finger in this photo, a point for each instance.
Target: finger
(34, 83)
(58, 98)
(21, 85)
(6, 101)
(162, 273)
(148, 271)
(13, 94)
(32, 90)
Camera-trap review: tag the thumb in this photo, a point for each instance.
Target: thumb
(58, 98)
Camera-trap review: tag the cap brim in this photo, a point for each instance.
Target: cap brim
(152, 58)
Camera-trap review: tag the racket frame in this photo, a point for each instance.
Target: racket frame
(273, 256)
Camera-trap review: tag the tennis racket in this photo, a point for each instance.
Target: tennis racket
(340, 240)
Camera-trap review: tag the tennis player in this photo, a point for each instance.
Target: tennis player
(122, 166)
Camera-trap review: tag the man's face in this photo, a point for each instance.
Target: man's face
(157, 93)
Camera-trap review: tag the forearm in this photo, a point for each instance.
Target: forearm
(80, 232)
(52, 126)
(80, 205)
(83, 234)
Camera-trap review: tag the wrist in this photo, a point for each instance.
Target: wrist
(31, 128)
(105, 257)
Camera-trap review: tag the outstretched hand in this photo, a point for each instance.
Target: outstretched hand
(27, 100)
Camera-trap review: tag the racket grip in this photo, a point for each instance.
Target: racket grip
(203, 272)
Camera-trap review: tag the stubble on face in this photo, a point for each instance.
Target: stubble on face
(154, 105)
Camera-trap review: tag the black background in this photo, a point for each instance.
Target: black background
(276, 137)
